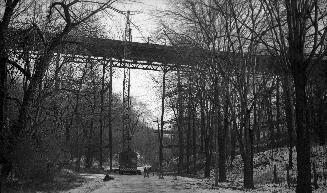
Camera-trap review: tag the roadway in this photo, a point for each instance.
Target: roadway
(139, 184)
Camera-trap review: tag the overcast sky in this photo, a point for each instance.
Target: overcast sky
(144, 22)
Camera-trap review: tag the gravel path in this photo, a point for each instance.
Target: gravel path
(139, 184)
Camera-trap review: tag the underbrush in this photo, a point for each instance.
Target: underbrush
(63, 180)
(264, 163)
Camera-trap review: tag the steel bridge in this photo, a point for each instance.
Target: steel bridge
(126, 54)
(145, 56)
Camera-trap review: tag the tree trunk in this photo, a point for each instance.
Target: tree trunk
(89, 155)
(222, 141)
(3, 93)
(110, 117)
(217, 150)
(203, 125)
(189, 127)
(77, 141)
(278, 135)
(248, 172)
(233, 138)
(8, 10)
(297, 19)
(257, 123)
(180, 124)
(3, 89)
(248, 155)
(162, 123)
(202, 118)
(101, 115)
(90, 150)
(288, 102)
(270, 122)
(78, 124)
(218, 127)
(194, 133)
(207, 166)
(303, 135)
(208, 143)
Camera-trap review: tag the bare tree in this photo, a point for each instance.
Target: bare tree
(68, 13)
(300, 36)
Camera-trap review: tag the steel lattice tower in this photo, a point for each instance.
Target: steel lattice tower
(126, 88)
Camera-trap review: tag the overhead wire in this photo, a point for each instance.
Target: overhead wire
(138, 29)
(125, 14)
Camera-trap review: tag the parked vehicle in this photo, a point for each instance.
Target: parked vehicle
(128, 162)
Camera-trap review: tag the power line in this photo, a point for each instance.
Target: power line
(138, 29)
(125, 14)
(118, 11)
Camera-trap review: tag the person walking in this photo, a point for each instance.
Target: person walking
(146, 172)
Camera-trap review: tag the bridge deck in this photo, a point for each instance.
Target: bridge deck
(139, 55)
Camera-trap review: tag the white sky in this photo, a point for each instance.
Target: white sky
(144, 22)
(143, 89)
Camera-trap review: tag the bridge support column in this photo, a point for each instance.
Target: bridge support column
(160, 133)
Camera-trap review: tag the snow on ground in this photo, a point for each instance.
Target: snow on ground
(263, 170)
(263, 176)
(264, 164)
(93, 182)
(139, 184)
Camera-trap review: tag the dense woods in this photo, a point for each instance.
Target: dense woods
(264, 64)
(57, 111)
(257, 82)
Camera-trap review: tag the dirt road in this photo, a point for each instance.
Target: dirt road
(139, 184)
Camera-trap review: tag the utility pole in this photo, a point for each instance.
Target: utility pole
(126, 89)
(127, 157)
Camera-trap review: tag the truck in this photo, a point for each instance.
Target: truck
(128, 162)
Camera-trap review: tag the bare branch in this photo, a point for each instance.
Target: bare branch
(39, 32)
(22, 70)
(101, 8)
(66, 11)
